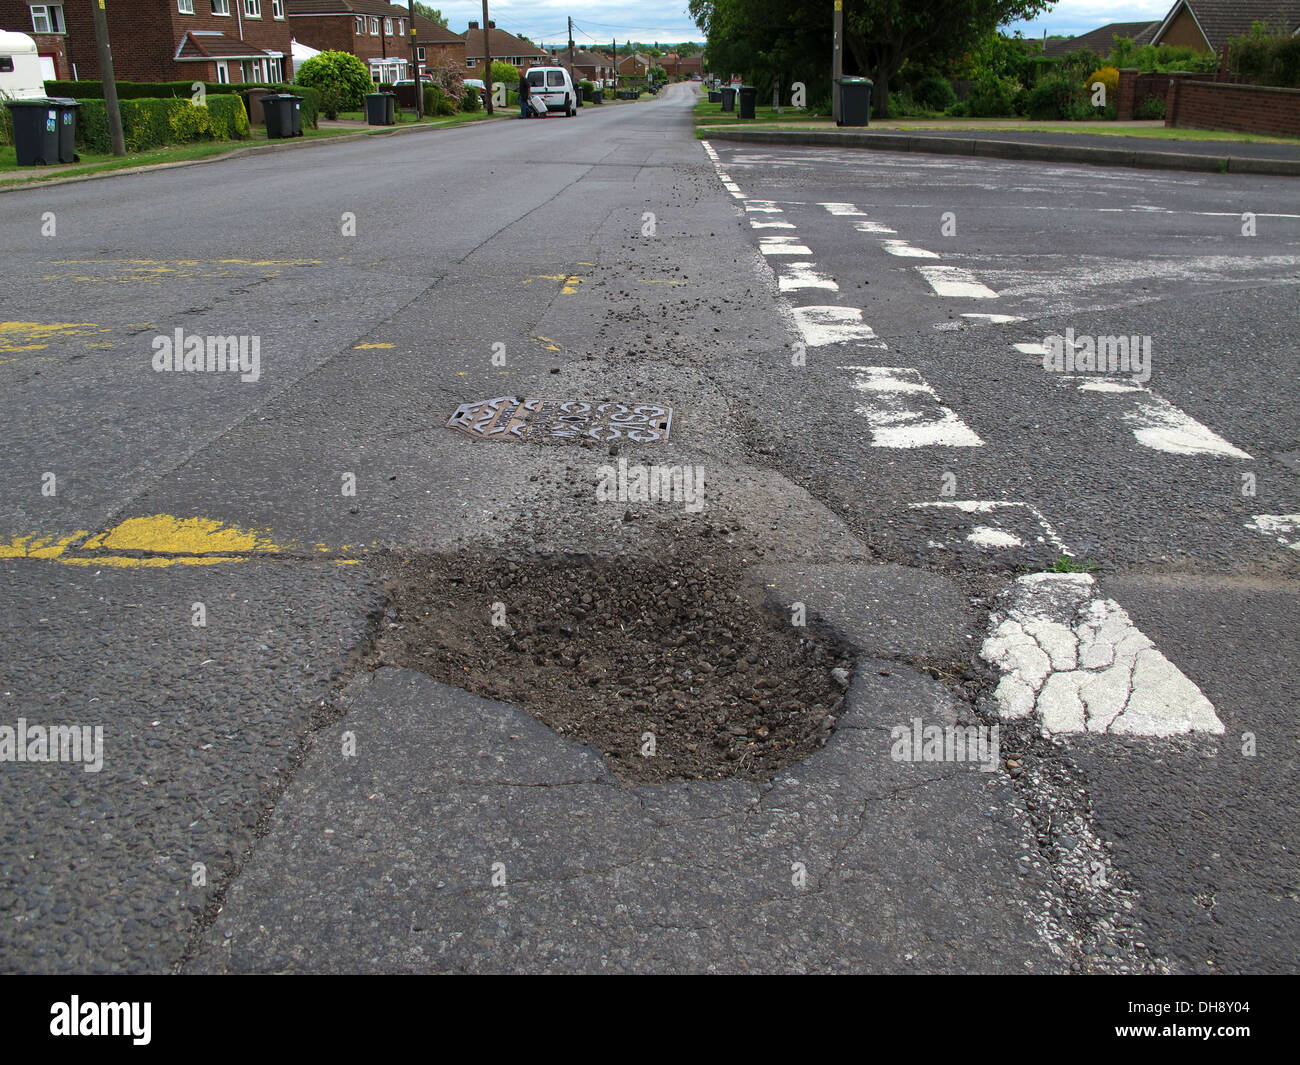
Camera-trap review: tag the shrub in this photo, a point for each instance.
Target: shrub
(1150, 107)
(506, 73)
(934, 93)
(6, 121)
(1261, 59)
(470, 102)
(161, 90)
(437, 102)
(150, 124)
(1108, 76)
(341, 78)
(1049, 100)
(957, 110)
(991, 97)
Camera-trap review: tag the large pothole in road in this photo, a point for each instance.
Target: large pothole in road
(667, 668)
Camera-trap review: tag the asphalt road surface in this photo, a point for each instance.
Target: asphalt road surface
(860, 351)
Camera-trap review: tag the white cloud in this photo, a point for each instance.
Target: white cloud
(545, 21)
(1072, 17)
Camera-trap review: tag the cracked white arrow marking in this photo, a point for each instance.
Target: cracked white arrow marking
(1079, 663)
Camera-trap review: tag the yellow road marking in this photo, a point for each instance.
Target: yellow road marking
(167, 534)
(35, 336)
(363, 347)
(37, 546)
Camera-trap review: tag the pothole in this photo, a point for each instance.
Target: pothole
(665, 667)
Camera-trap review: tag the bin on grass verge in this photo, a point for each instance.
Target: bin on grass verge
(381, 109)
(283, 113)
(36, 131)
(748, 100)
(855, 101)
(728, 98)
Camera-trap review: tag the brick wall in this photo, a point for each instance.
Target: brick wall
(1242, 108)
(337, 33)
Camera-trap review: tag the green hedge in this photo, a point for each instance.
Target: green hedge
(162, 123)
(162, 90)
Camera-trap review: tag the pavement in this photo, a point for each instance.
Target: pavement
(1024, 141)
(853, 345)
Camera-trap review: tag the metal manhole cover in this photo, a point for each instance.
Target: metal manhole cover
(512, 418)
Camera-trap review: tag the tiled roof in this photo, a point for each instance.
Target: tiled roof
(1222, 19)
(199, 45)
(1103, 40)
(502, 44)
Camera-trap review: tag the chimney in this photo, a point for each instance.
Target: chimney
(473, 25)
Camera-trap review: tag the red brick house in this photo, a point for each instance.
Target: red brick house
(506, 48)
(160, 40)
(372, 30)
(438, 45)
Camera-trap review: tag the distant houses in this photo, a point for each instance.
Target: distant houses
(1205, 25)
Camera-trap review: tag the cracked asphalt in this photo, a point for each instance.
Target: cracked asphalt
(197, 564)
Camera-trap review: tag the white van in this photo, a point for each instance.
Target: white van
(20, 68)
(552, 88)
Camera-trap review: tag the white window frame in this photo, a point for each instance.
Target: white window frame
(221, 8)
(223, 72)
(419, 53)
(185, 7)
(277, 9)
(274, 70)
(361, 25)
(252, 8)
(470, 64)
(388, 27)
(53, 16)
(374, 26)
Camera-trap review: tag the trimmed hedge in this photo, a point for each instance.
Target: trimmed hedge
(162, 123)
(162, 90)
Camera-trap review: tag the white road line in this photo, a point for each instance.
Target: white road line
(1284, 528)
(1079, 663)
(1033, 347)
(844, 210)
(872, 227)
(1002, 518)
(906, 251)
(802, 275)
(731, 186)
(756, 224)
(833, 325)
(782, 245)
(904, 411)
(993, 319)
(956, 282)
(1156, 422)
(763, 207)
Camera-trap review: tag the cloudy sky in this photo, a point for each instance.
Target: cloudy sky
(668, 20)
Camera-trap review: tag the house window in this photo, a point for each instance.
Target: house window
(185, 7)
(221, 7)
(361, 26)
(277, 9)
(253, 8)
(374, 27)
(471, 63)
(275, 70)
(48, 18)
(223, 72)
(419, 54)
(388, 27)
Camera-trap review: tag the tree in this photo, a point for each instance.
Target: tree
(506, 73)
(786, 38)
(431, 13)
(342, 79)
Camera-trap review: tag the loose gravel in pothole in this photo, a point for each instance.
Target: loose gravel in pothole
(605, 651)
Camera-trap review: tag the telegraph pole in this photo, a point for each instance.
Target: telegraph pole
(415, 65)
(572, 75)
(837, 61)
(487, 59)
(110, 83)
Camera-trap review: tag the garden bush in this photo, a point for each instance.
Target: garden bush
(437, 102)
(991, 97)
(470, 101)
(342, 79)
(1150, 107)
(934, 93)
(164, 123)
(1049, 100)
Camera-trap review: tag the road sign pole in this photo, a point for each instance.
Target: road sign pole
(837, 60)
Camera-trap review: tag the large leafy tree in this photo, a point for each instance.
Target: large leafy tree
(792, 38)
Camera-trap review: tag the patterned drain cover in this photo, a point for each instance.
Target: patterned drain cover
(542, 420)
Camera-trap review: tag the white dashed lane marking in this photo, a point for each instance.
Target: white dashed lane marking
(1156, 422)
(906, 251)
(1284, 528)
(782, 245)
(833, 325)
(1001, 523)
(1079, 663)
(844, 210)
(795, 276)
(872, 227)
(903, 411)
(955, 282)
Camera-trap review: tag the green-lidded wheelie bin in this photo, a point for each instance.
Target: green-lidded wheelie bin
(855, 101)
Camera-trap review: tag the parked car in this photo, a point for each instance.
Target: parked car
(553, 89)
